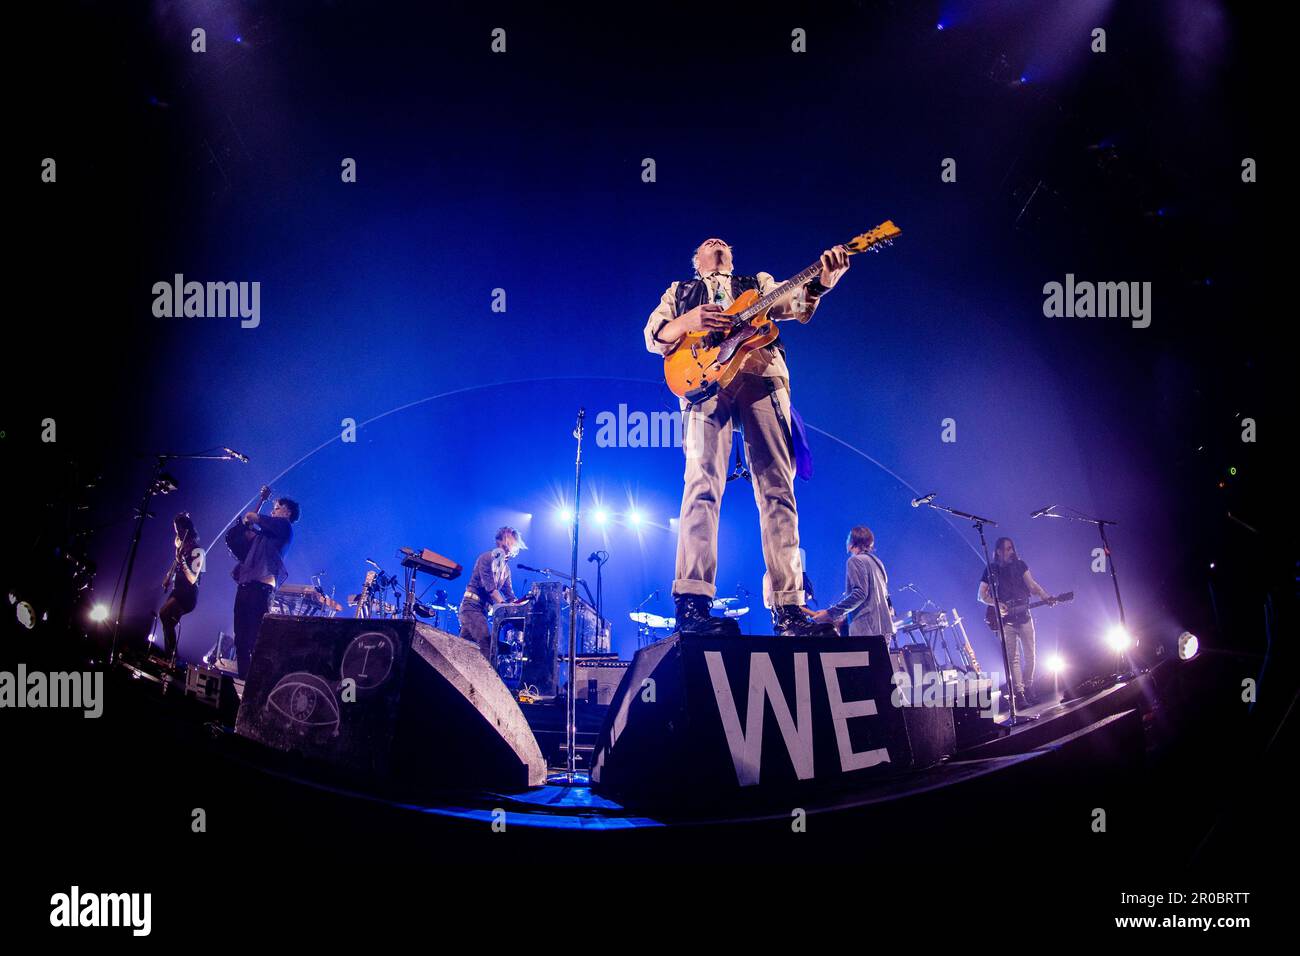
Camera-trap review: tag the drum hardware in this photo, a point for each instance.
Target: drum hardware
(642, 620)
(652, 621)
(724, 604)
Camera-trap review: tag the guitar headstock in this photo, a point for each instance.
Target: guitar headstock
(264, 494)
(873, 240)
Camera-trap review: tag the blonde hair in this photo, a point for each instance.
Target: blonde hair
(519, 538)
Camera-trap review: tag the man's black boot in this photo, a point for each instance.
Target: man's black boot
(694, 617)
(789, 620)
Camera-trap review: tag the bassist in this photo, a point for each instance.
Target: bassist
(1015, 584)
(183, 580)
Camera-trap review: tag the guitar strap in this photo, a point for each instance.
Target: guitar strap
(889, 600)
(780, 415)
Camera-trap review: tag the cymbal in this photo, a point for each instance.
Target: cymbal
(724, 601)
(652, 620)
(735, 612)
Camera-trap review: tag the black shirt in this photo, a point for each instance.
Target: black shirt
(1011, 586)
(266, 552)
(192, 556)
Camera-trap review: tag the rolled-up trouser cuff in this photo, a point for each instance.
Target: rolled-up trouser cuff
(701, 588)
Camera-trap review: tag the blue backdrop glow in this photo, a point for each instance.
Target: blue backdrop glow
(522, 172)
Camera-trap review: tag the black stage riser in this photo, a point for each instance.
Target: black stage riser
(425, 708)
(827, 721)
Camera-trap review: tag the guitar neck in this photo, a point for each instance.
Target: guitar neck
(769, 300)
(1058, 599)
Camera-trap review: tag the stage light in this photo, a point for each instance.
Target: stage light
(99, 613)
(938, 26)
(1118, 639)
(1188, 645)
(564, 514)
(601, 516)
(634, 517)
(1056, 663)
(26, 615)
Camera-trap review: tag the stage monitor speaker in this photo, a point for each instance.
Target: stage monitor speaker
(709, 721)
(598, 679)
(387, 700)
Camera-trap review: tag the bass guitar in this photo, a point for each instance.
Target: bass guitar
(1024, 604)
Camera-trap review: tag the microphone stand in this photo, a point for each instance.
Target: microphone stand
(1125, 671)
(978, 523)
(600, 593)
(570, 699)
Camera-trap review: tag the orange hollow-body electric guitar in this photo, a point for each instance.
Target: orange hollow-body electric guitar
(706, 361)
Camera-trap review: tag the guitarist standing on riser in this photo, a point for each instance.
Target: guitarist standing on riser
(1015, 583)
(259, 573)
(759, 398)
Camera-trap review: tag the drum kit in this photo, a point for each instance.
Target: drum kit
(649, 623)
(442, 612)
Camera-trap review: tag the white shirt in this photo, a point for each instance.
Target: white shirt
(768, 362)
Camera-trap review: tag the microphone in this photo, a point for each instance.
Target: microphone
(577, 429)
(924, 499)
(529, 567)
(1042, 511)
(235, 455)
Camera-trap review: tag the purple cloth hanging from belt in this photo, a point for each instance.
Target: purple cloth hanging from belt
(803, 461)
